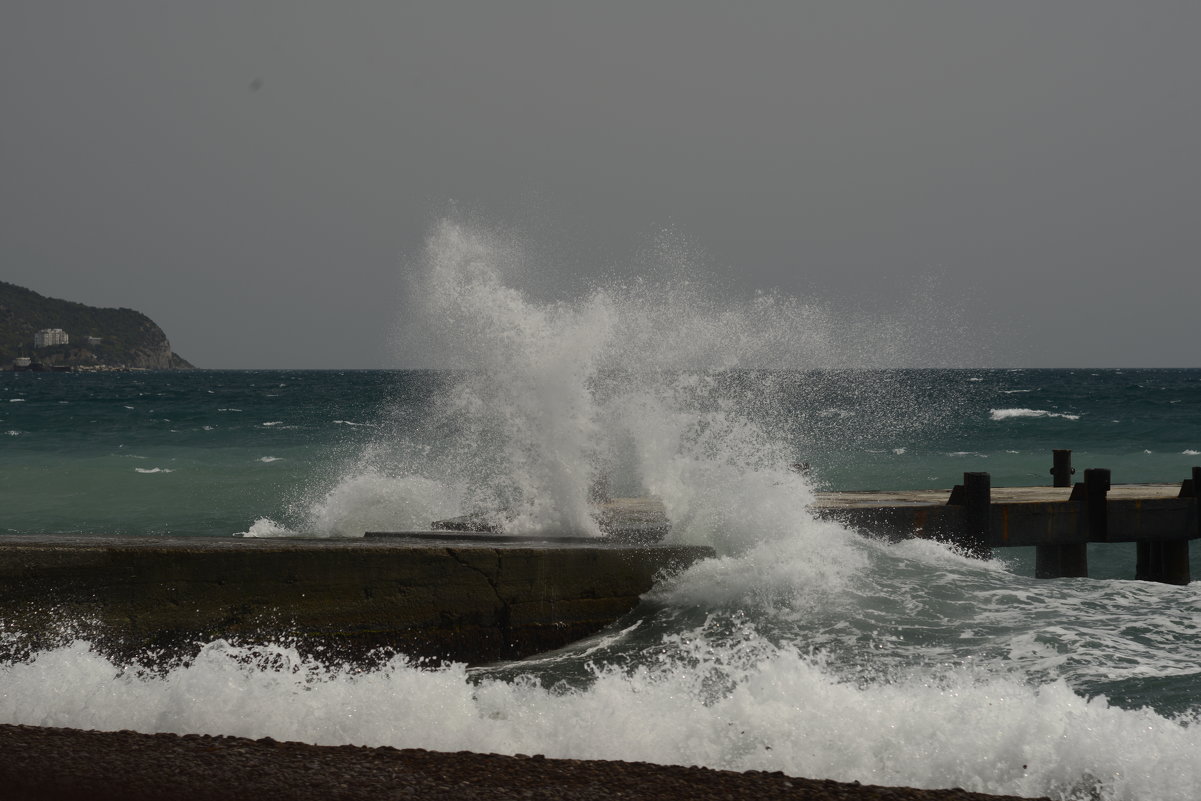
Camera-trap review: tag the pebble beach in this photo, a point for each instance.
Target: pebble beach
(49, 764)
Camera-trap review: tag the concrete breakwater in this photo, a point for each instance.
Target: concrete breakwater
(445, 598)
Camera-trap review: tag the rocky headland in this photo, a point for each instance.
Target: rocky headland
(98, 338)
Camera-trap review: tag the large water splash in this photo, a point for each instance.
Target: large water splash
(659, 385)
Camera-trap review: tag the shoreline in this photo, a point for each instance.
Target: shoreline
(56, 764)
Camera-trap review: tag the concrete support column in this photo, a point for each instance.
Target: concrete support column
(1061, 561)
(1167, 561)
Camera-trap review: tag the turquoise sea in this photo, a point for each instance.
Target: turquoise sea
(802, 646)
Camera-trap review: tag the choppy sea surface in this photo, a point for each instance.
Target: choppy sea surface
(803, 646)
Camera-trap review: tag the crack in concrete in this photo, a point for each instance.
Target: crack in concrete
(453, 554)
(503, 617)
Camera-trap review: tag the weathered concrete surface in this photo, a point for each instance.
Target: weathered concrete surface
(454, 600)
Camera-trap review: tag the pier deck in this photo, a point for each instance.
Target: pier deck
(1017, 515)
(1006, 495)
(1059, 521)
(1020, 516)
(468, 595)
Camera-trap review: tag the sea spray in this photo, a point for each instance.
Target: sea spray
(658, 385)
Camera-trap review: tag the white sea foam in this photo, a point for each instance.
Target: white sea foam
(367, 500)
(266, 527)
(269, 459)
(756, 707)
(13, 433)
(1010, 414)
(16, 400)
(153, 470)
(273, 423)
(1190, 452)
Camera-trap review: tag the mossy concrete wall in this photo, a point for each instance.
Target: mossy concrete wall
(457, 600)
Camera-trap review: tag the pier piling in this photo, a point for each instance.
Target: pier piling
(975, 496)
(1167, 561)
(1096, 511)
(1061, 561)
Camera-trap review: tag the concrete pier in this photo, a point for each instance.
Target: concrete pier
(477, 597)
(447, 598)
(1060, 521)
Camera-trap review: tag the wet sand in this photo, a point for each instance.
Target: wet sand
(46, 764)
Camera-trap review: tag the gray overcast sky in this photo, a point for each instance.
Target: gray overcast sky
(256, 175)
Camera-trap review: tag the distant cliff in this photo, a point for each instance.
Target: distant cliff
(126, 338)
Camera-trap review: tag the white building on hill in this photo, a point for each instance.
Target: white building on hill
(50, 336)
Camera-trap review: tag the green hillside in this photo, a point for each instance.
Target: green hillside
(127, 338)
